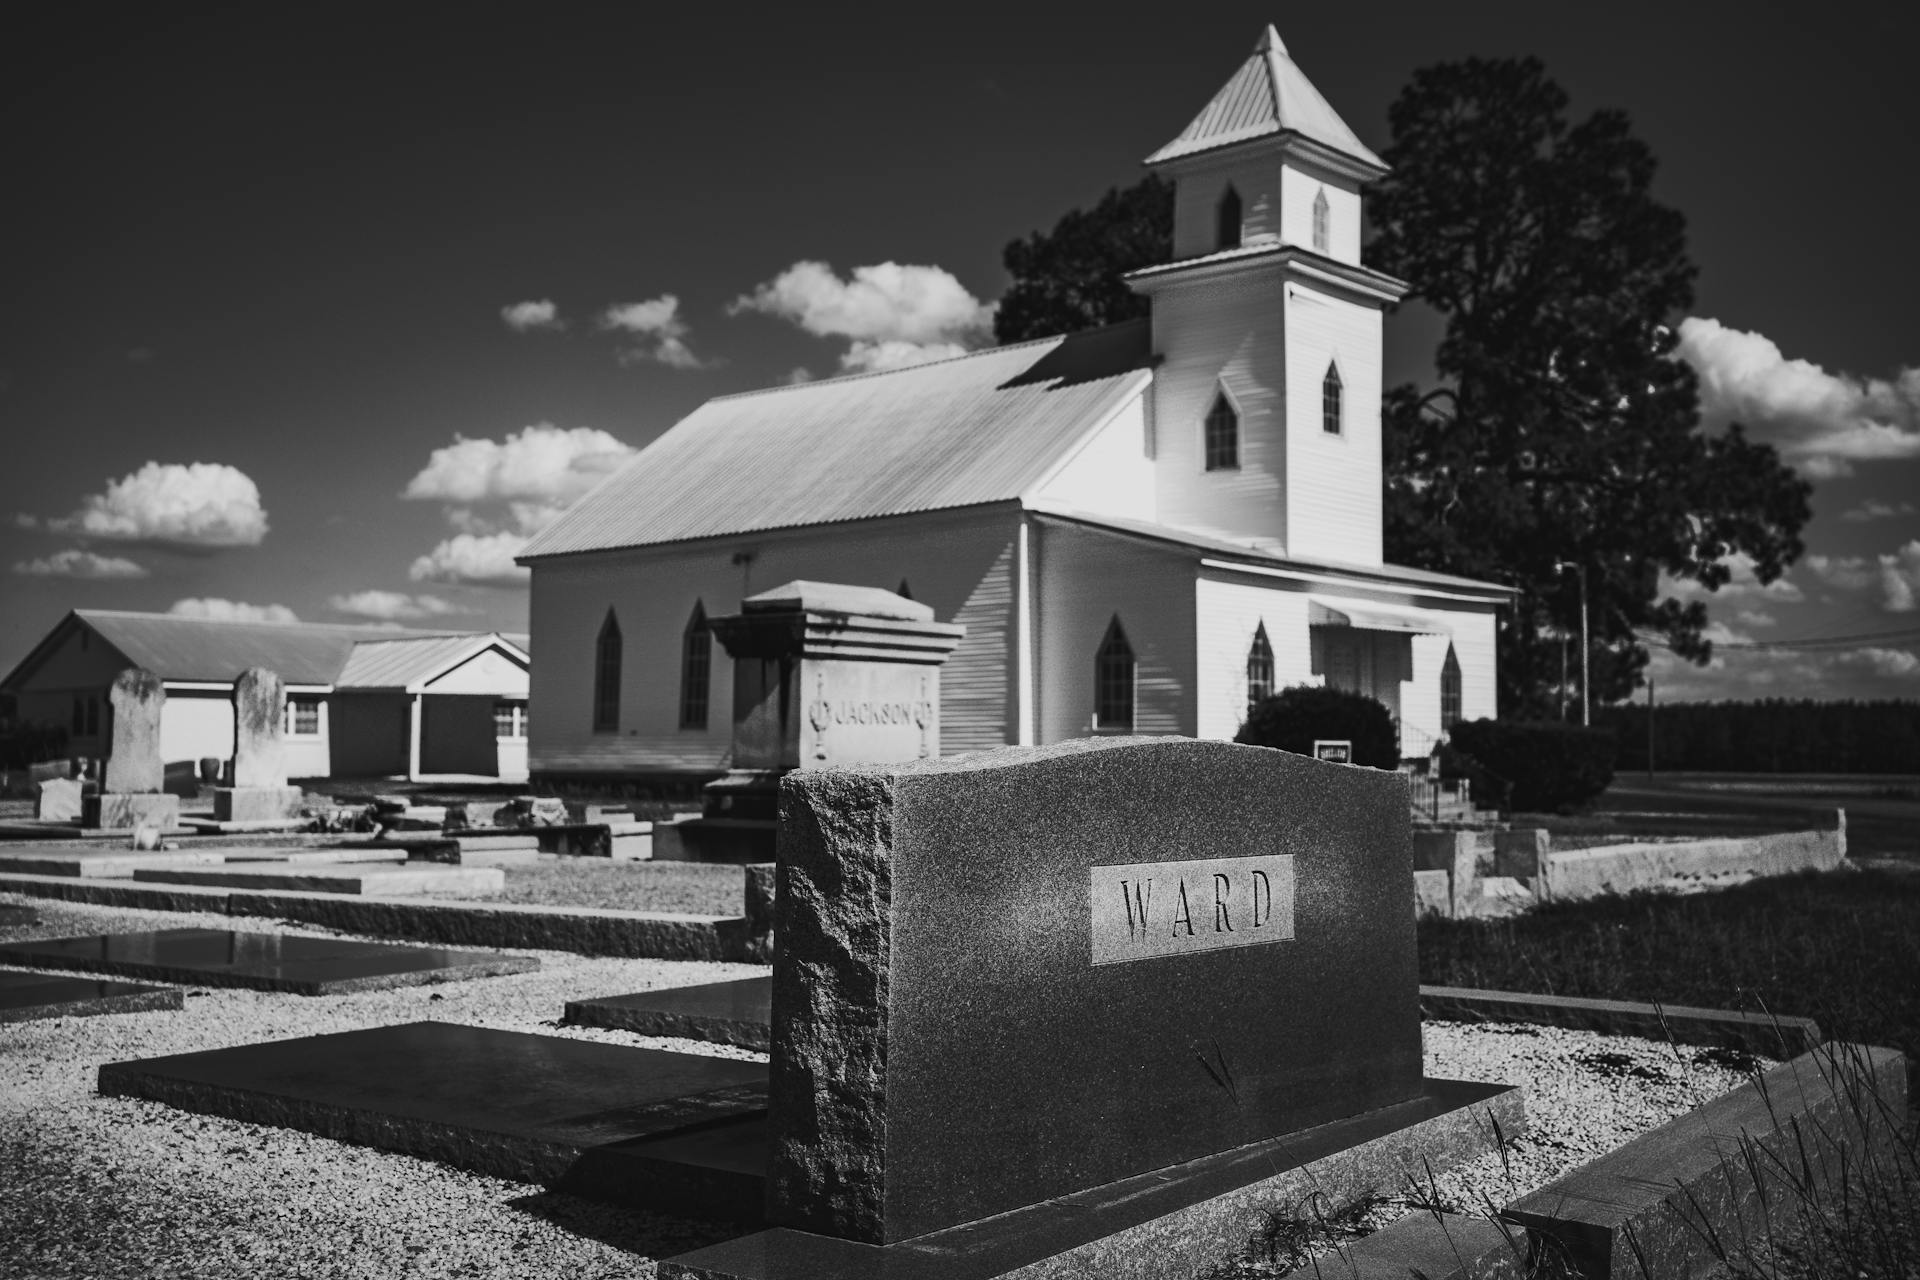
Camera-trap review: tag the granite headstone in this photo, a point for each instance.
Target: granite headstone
(259, 793)
(134, 777)
(1011, 976)
(58, 800)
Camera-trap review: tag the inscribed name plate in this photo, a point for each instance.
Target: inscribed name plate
(1144, 910)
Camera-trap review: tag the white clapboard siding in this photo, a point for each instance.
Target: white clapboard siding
(1087, 578)
(959, 565)
(1333, 501)
(1112, 473)
(195, 723)
(1299, 184)
(1229, 610)
(1215, 334)
(1196, 202)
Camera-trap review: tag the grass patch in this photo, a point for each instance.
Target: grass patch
(1841, 948)
(696, 888)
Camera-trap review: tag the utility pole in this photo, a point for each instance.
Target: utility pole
(1586, 706)
(1649, 728)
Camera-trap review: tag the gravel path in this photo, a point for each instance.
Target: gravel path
(113, 1187)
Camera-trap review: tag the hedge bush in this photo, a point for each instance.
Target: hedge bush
(1546, 767)
(1292, 718)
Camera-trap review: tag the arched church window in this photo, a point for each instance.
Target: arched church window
(1113, 670)
(1450, 690)
(606, 677)
(1330, 391)
(1223, 435)
(1321, 235)
(1259, 667)
(1227, 222)
(906, 590)
(696, 669)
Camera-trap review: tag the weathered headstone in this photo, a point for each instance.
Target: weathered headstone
(823, 674)
(259, 792)
(58, 800)
(1008, 977)
(131, 787)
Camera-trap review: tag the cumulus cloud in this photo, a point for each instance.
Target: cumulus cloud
(1823, 423)
(481, 560)
(1849, 573)
(1737, 673)
(527, 478)
(201, 504)
(1889, 662)
(1742, 586)
(1756, 618)
(75, 563)
(656, 332)
(524, 317)
(392, 606)
(891, 314)
(231, 610)
(1874, 509)
(1900, 579)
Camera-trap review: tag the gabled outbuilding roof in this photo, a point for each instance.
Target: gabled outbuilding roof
(409, 663)
(208, 650)
(1268, 96)
(975, 429)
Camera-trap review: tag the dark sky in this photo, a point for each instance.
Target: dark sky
(279, 240)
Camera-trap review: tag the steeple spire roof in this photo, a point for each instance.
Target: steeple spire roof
(1269, 95)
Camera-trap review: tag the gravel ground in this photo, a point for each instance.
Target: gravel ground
(114, 1187)
(562, 880)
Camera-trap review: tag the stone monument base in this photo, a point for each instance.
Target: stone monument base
(727, 840)
(257, 804)
(744, 794)
(114, 810)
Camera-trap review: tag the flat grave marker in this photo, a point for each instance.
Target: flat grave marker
(736, 1012)
(263, 961)
(26, 996)
(370, 878)
(583, 1117)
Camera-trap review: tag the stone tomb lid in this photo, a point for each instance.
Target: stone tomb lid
(955, 942)
(837, 597)
(39, 995)
(263, 961)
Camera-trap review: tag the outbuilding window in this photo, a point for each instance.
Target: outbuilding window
(1321, 234)
(509, 719)
(696, 666)
(1259, 667)
(1330, 391)
(1113, 671)
(1227, 220)
(606, 677)
(303, 717)
(1223, 435)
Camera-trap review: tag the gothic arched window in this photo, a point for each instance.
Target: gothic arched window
(696, 670)
(1450, 690)
(1227, 221)
(606, 677)
(1330, 389)
(1223, 435)
(1259, 667)
(1321, 234)
(1113, 668)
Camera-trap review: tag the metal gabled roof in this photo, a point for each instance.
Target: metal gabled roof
(975, 429)
(1269, 95)
(409, 662)
(180, 648)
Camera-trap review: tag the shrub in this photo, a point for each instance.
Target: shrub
(1545, 767)
(1292, 718)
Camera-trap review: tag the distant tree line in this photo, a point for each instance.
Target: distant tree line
(1772, 736)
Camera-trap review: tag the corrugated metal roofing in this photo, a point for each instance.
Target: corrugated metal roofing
(398, 664)
(1269, 94)
(974, 429)
(180, 648)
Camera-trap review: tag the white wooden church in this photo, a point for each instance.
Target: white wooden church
(1142, 527)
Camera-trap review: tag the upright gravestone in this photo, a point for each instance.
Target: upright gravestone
(824, 673)
(132, 785)
(259, 792)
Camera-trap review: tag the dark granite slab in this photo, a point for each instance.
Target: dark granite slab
(676, 1132)
(1008, 976)
(1178, 1221)
(38, 995)
(263, 961)
(722, 1012)
(13, 917)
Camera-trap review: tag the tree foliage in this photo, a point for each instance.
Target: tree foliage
(1069, 278)
(1295, 717)
(1565, 430)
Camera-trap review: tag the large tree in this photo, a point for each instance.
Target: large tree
(1563, 440)
(1068, 279)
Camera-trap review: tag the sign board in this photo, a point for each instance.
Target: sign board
(1333, 750)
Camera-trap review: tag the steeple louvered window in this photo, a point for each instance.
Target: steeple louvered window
(1227, 221)
(1322, 235)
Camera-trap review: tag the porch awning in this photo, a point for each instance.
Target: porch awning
(1374, 617)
